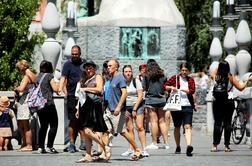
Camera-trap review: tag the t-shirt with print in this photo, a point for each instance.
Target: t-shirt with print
(132, 92)
(117, 83)
(184, 85)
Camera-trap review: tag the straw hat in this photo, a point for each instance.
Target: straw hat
(4, 101)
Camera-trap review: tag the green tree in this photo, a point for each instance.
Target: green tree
(197, 15)
(15, 18)
(198, 20)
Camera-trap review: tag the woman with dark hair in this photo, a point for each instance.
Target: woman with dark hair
(185, 85)
(223, 107)
(90, 112)
(155, 100)
(48, 116)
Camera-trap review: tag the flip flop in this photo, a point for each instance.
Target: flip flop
(25, 149)
(136, 156)
(83, 160)
(99, 159)
(227, 149)
(108, 152)
(214, 149)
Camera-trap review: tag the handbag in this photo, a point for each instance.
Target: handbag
(35, 99)
(174, 101)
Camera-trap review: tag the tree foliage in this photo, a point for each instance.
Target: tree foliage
(198, 20)
(15, 18)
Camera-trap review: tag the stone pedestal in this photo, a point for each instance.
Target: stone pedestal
(210, 120)
(102, 42)
(62, 133)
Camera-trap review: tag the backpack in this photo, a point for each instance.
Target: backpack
(35, 99)
(134, 82)
(220, 88)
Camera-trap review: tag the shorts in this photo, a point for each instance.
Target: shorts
(160, 105)
(182, 117)
(71, 107)
(154, 107)
(115, 124)
(129, 110)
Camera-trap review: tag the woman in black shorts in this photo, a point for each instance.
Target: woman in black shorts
(186, 87)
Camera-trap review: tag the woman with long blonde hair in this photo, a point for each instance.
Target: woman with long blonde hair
(28, 77)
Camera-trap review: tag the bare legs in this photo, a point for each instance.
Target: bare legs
(4, 143)
(140, 129)
(26, 135)
(157, 118)
(89, 136)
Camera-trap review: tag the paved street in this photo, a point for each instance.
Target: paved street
(241, 155)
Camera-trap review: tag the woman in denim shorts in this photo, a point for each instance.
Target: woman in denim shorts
(135, 109)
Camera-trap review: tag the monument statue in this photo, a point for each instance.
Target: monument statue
(71, 9)
(71, 14)
(83, 9)
(137, 13)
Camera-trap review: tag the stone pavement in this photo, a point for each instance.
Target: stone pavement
(241, 155)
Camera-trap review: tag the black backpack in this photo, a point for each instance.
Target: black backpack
(220, 88)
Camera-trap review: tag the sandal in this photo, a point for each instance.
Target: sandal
(107, 153)
(227, 149)
(99, 159)
(136, 155)
(83, 160)
(214, 149)
(25, 149)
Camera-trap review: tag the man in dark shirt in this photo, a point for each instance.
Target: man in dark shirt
(71, 74)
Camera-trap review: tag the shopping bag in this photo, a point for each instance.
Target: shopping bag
(173, 102)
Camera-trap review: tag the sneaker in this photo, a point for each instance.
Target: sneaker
(145, 153)
(41, 151)
(14, 143)
(152, 146)
(71, 148)
(167, 146)
(189, 150)
(129, 152)
(51, 150)
(178, 150)
(66, 149)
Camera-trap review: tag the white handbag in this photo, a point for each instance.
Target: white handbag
(174, 101)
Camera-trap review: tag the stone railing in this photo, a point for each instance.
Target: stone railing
(60, 102)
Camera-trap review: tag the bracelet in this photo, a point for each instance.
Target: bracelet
(134, 110)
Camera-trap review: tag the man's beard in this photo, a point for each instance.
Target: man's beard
(75, 59)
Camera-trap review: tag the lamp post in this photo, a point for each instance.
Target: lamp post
(215, 48)
(229, 40)
(215, 54)
(243, 58)
(51, 24)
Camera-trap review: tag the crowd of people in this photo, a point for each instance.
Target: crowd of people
(101, 106)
